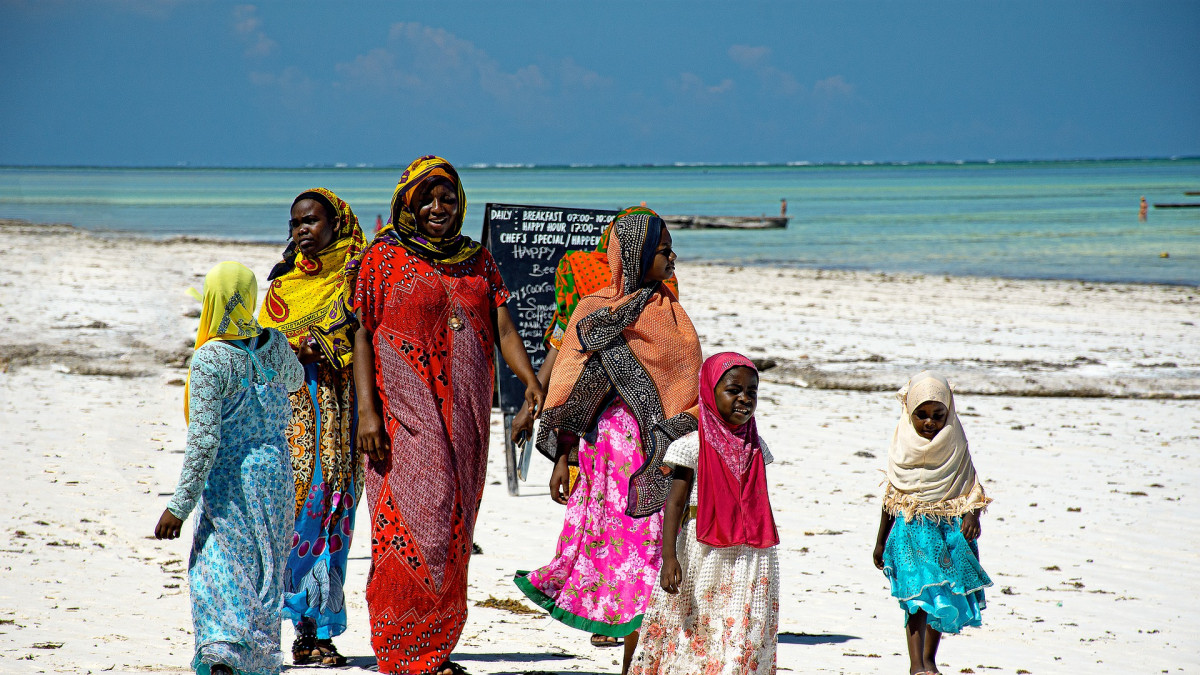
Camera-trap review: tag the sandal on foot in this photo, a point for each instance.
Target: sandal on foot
(599, 640)
(302, 650)
(328, 654)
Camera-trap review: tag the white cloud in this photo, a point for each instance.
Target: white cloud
(833, 87)
(745, 55)
(443, 54)
(376, 70)
(248, 25)
(575, 75)
(295, 88)
(757, 60)
(416, 55)
(694, 84)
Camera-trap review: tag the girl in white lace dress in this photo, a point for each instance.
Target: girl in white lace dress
(717, 611)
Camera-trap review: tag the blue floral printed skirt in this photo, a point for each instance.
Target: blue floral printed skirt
(933, 568)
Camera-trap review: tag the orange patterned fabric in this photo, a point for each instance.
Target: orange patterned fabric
(633, 341)
(662, 339)
(579, 274)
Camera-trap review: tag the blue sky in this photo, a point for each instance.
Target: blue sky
(163, 82)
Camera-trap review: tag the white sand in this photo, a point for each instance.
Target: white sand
(1093, 540)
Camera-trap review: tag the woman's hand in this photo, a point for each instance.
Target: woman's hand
(885, 529)
(970, 526)
(372, 437)
(671, 575)
(560, 480)
(535, 395)
(168, 526)
(522, 424)
(521, 421)
(308, 352)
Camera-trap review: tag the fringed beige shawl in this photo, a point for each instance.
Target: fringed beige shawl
(936, 477)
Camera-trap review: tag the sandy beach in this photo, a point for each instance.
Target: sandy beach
(1080, 401)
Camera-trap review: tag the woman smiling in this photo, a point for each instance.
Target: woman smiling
(432, 307)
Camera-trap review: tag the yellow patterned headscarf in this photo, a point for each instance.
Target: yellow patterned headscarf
(414, 183)
(227, 309)
(313, 297)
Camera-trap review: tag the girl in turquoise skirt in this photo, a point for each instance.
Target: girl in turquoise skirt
(926, 545)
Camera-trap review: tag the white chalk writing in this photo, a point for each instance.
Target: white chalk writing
(534, 252)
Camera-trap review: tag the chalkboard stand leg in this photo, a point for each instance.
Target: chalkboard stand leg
(510, 455)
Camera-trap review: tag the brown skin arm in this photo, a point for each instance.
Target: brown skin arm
(512, 348)
(560, 478)
(523, 418)
(885, 527)
(671, 574)
(971, 529)
(372, 436)
(168, 526)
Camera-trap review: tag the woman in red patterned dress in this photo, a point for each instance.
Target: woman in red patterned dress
(432, 307)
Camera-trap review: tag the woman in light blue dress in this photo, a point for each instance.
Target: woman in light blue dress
(237, 475)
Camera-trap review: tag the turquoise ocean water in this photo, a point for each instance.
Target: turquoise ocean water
(1062, 220)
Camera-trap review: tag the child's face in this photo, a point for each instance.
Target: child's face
(736, 395)
(663, 265)
(929, 418)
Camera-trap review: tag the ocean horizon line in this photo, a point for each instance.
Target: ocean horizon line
(510, 166)
(726, 262)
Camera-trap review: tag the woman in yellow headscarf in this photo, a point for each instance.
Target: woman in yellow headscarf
(309, 301)
(432, 306)
(237, 460)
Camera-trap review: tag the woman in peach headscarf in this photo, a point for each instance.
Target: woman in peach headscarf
(624, 386)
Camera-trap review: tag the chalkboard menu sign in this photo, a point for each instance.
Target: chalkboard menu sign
(527, 243)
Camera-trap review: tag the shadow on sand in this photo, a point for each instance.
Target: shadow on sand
(549, 673)
(818, 639)
(363, 662)
(529, 657)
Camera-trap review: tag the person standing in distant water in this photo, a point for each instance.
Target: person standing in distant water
(783, 208)
(432, 309)
(309, 301)
(378, 222)
(624, 386)
(1142, 209)
(236, 469)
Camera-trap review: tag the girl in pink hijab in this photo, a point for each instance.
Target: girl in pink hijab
(717, 610)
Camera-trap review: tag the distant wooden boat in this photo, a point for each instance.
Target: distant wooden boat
(1181, 205)
(726, 222)
(1192, 192)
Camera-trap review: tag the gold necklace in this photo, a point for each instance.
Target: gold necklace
(453, 322)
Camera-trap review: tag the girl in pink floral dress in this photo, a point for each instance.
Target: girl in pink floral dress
(717, 609)
(623, 387)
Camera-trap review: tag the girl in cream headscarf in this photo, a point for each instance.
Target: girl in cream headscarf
(926, 544)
